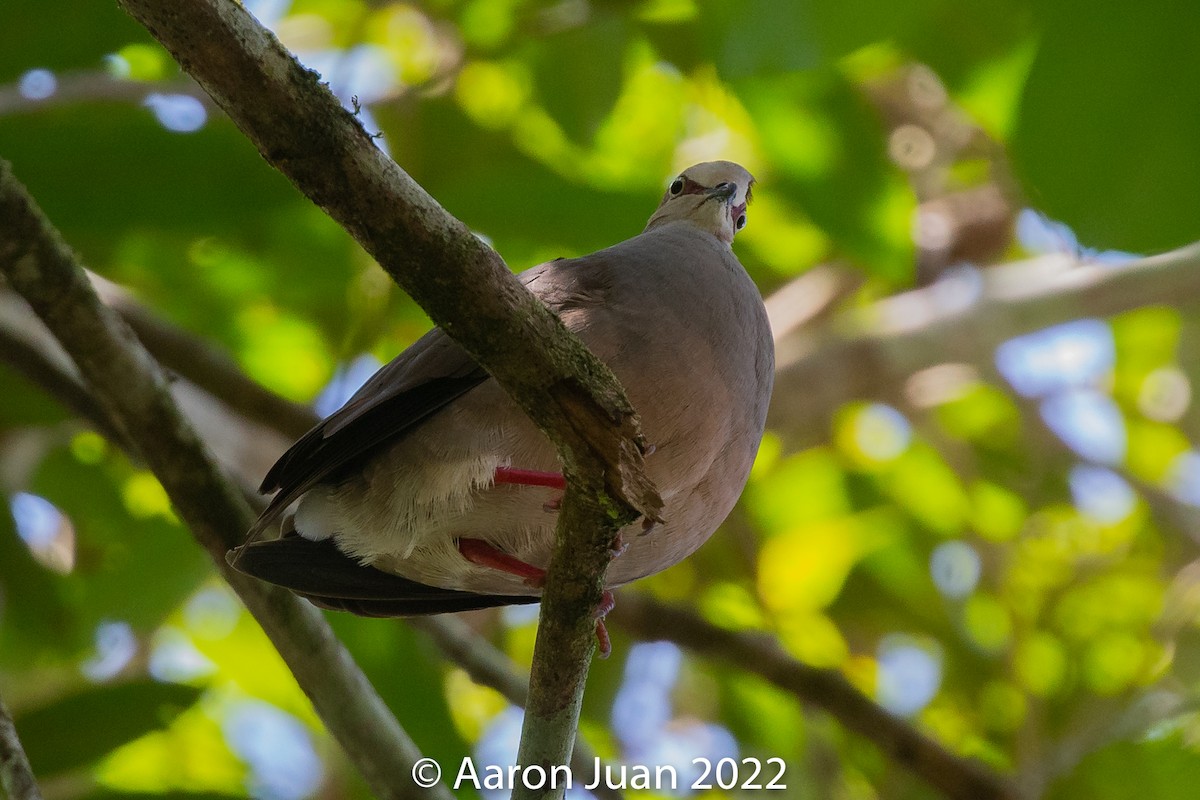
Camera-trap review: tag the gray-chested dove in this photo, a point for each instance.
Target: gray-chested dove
(431, 491)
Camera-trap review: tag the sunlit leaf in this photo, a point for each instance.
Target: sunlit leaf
(578, 74)
(1166, 768)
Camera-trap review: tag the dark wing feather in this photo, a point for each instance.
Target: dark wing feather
(416, 384)
(328, 578)
(419, 382)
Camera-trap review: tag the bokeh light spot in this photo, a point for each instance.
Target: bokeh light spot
(910, 672)
(955, 567)
(178, 113)
(37, 84)
(1101, 493)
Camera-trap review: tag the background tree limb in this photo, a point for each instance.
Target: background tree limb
(133, 390)
(961, 319)
(16, 778)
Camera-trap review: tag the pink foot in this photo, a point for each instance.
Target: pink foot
(480, 552)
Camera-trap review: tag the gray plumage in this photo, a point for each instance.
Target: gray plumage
(405, 470)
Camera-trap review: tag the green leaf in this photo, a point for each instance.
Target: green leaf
(32, 608)
(1164, 769)
(24, 404)
(759, 37)
(134, 568)
(826, 144)
(100, 171)
(78, 730)
(578, 74)
(1107, 132)
(62, 36)
(168, 795)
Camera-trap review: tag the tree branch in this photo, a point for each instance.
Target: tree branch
(16, 777)
(301, 129)
(960, 320)
(94, 87)
(133, 391)
(760, 654)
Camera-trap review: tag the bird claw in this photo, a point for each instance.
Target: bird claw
(603, 642)
(618, 546)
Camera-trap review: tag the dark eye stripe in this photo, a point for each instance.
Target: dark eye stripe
(691, 187)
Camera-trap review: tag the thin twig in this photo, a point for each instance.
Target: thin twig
(94, 87)
(205, 365)
(16, 777)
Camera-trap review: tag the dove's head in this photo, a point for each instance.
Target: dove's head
(712, 196)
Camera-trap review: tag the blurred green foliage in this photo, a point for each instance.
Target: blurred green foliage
(1062, 639)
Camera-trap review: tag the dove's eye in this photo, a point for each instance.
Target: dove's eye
(741, 222)
(677, 186)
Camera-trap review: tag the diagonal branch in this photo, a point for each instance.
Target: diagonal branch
(955, 777)
(133, 391)
(960, 320)
(301, 129)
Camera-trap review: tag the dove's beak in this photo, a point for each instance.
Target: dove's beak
(723, 191)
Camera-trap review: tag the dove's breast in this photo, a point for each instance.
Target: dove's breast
(693, 349)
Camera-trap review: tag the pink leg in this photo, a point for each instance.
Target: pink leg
(529, 477)
(480, 552)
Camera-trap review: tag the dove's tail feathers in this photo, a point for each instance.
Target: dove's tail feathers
(328, 578)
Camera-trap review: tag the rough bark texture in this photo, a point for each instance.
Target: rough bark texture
(464, 286)
(16, 778)
(132, 390)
